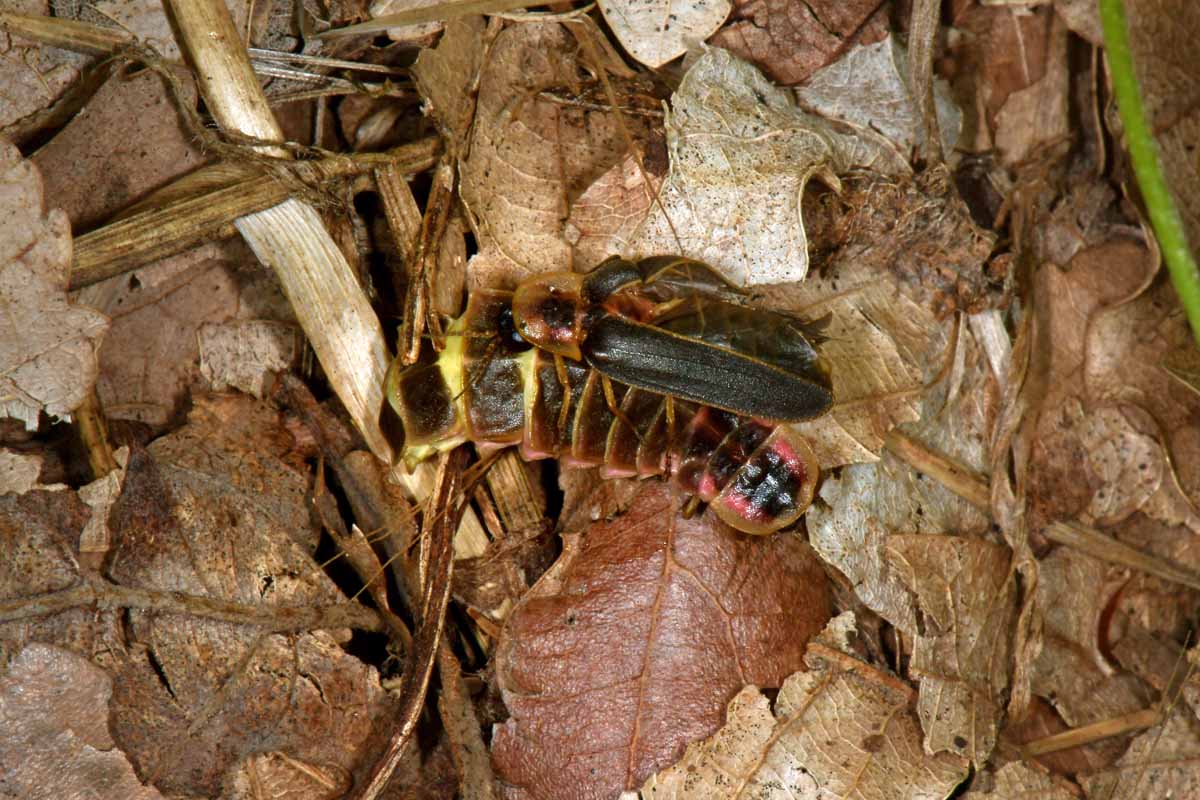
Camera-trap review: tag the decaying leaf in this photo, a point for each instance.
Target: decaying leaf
(47, 344)
(868, 87)
(741, 154)
(842, 729)
(54, 713)
(632, 644)
(216, 509)
(790, 39)
(659, 31)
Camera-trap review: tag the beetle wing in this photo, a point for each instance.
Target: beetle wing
(703, 370)
(781, 340)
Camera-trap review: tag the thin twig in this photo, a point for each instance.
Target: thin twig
(111, 596)
(442, 522)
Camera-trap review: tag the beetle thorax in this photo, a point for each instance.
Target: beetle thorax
(548, 313)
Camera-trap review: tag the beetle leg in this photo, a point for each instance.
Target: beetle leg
(610, 398)
(691, 507)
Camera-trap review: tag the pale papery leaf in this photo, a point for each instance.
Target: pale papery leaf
(868, 87)
(634, 641)
(741, 154)
(842, 729)
(54, 711)
(243, 355)
(19, 471)
(661, 30)
(966, 601)
(47, 344)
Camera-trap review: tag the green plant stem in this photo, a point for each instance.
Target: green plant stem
(1143, 152)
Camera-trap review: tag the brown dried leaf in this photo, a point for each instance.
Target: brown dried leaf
(1160, 762)
(1127, 348)
(147, 20)
(1162, 39)
(740, 154)
(446, 76)
(1017, 779)
(127, 141)
(150, 359)
(47, 344)
(1037, 116)
(843, 729)
(39, 532)
(1074, 594)
(791, 39)
(217, 509)
(966, 601)
(659, 31)
(1068, 297)
(32, 76)
(1002, 50)
(531, 155)
(632, 644)
(54, 713)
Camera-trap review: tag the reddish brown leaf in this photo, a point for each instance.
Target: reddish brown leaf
(633, 643)
(791, 39)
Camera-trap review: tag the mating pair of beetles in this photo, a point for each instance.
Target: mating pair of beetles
(653, 367)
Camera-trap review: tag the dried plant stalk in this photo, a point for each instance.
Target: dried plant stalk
(187, 221)
(79, 37)
(330, 305)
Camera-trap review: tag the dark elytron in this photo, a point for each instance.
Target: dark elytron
(646, 368)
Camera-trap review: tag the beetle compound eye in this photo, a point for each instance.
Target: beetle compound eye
(506, 330)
